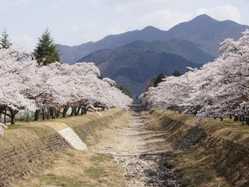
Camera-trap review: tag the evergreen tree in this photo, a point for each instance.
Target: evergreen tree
(4, 41)
(125, 90)
(158, 79)
(46, 52)
(176, 73)
(155, 81)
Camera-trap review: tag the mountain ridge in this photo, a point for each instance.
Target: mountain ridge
(130, 56)
(134, 67)
(207, 32)
(184, 48)
(196, 31)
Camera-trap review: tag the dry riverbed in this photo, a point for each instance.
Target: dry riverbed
(127, 149)
(121, 153)
(140, 152)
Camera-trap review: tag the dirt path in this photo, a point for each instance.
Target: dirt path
(141, 153)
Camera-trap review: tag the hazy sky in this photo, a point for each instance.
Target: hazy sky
(76, 21)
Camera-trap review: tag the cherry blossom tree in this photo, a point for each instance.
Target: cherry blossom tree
(52, 90)
(217, 89)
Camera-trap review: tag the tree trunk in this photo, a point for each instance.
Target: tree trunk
(73, 112)
(65, 111)
(37, 114)
(43, 114)
(5, 113)
(236, 118)
(47, 113)
(12, 116)
(83, 110)
(57, 113)
(51, 112)
(78, 110)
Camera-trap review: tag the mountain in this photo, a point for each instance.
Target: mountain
(71, 54)
(184, 48)
(134, 57)
(203, 31)
(207, 32)
(133, 66)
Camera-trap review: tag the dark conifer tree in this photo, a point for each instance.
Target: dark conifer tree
(158, 79)
(46, 52)
(176, 73)
(4, 41)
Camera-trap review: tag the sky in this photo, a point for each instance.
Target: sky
(72, 22)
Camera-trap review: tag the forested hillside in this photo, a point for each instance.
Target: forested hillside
(134, 67)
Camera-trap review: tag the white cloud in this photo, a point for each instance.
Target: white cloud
(222, 12)
(74, 22)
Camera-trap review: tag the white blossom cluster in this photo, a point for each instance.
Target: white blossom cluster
(24, 85)
(217, 89)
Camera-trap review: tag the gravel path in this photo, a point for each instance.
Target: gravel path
(142, 153)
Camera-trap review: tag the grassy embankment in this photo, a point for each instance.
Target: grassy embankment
(33, 154)
(207, 153)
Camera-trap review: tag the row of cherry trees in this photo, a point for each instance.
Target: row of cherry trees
(53, 90)
(218, 89)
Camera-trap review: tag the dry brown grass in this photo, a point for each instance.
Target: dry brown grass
(226, 129)
(61, 167)
(77, 169)
(204, 164)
